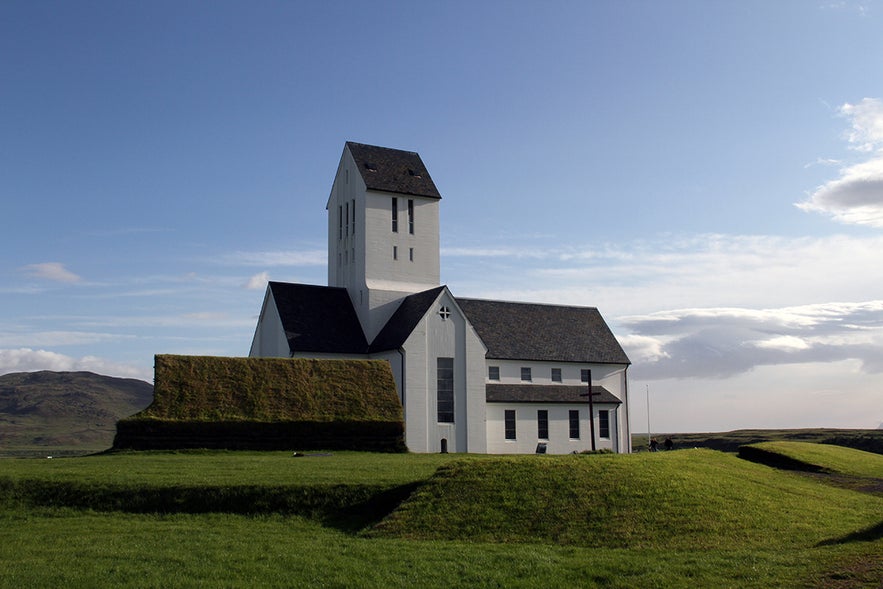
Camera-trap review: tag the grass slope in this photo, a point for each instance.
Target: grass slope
(826, 458)
(63, 413)
(869, 440)
(676, 519)
(697, 499)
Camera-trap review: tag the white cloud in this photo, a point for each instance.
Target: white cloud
(54, 271)
(856, 197)
(671, 272)
(866, 119)
(56, 338)
(28, 360)
(723, 342)
(258, 281)
(277, 258)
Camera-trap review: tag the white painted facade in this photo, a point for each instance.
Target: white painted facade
(379, 265)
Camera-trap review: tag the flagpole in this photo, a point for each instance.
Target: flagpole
(648, 417)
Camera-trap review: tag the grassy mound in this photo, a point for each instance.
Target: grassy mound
(269, 404)
(817, 457)
(693, 499)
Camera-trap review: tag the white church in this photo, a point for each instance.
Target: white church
(473, 375)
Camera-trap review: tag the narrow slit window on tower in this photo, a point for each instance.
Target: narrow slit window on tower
(410, 216)
(395, 252)
(411, 254)
(340, 222)
(354, 216)
(347, 232)
(395, 215)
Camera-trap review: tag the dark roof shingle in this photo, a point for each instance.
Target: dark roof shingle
(318, 318)
(531, 331)
(392, 170)
(404, 320)
(540, 393)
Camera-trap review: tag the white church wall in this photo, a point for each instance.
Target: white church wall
(559, 440)
(444, 337)
(476, 405)
(606, 375)
(400, 257)
(269, 337)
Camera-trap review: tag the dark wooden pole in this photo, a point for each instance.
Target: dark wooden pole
(590, 394)
(591, 412)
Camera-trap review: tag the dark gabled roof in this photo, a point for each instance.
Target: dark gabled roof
(530, 331)
(318, 318)
(546, 393)
(404, 320)
(392, 170)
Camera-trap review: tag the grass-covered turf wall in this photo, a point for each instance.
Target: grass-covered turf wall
(267, 404)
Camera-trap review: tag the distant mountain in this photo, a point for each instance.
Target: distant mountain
(64, 413)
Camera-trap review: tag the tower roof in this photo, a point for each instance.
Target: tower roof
(392, 170)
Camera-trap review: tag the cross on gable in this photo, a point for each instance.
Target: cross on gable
(444, 313)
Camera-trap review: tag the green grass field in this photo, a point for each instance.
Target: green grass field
(692, 518)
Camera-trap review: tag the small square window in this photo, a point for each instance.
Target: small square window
(493, 372)
(525, 373)
(556, 375)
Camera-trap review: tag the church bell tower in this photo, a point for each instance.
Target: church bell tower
(383, 230)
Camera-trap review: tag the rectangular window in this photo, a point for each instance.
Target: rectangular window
(395, 252)
(584, 375)
(445, 392)
(354, 216)
(411, 254)
(395, 215)
(347, 232)
(340, 222)
(604, 424)
(410, 216)
(510, 424)
(574, 424)
(556, 375)
(525, 373)
(543, 424)
(493, 373)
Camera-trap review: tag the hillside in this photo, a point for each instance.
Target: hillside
(64, 413)
(678, 500)
(692, 518)
(869, 440)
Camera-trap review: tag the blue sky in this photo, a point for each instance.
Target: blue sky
(708, 174)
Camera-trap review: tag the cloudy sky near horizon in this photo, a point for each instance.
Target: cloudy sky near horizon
(708, 174)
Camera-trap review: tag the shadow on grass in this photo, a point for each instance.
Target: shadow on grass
(870, 534)
(348, 508)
